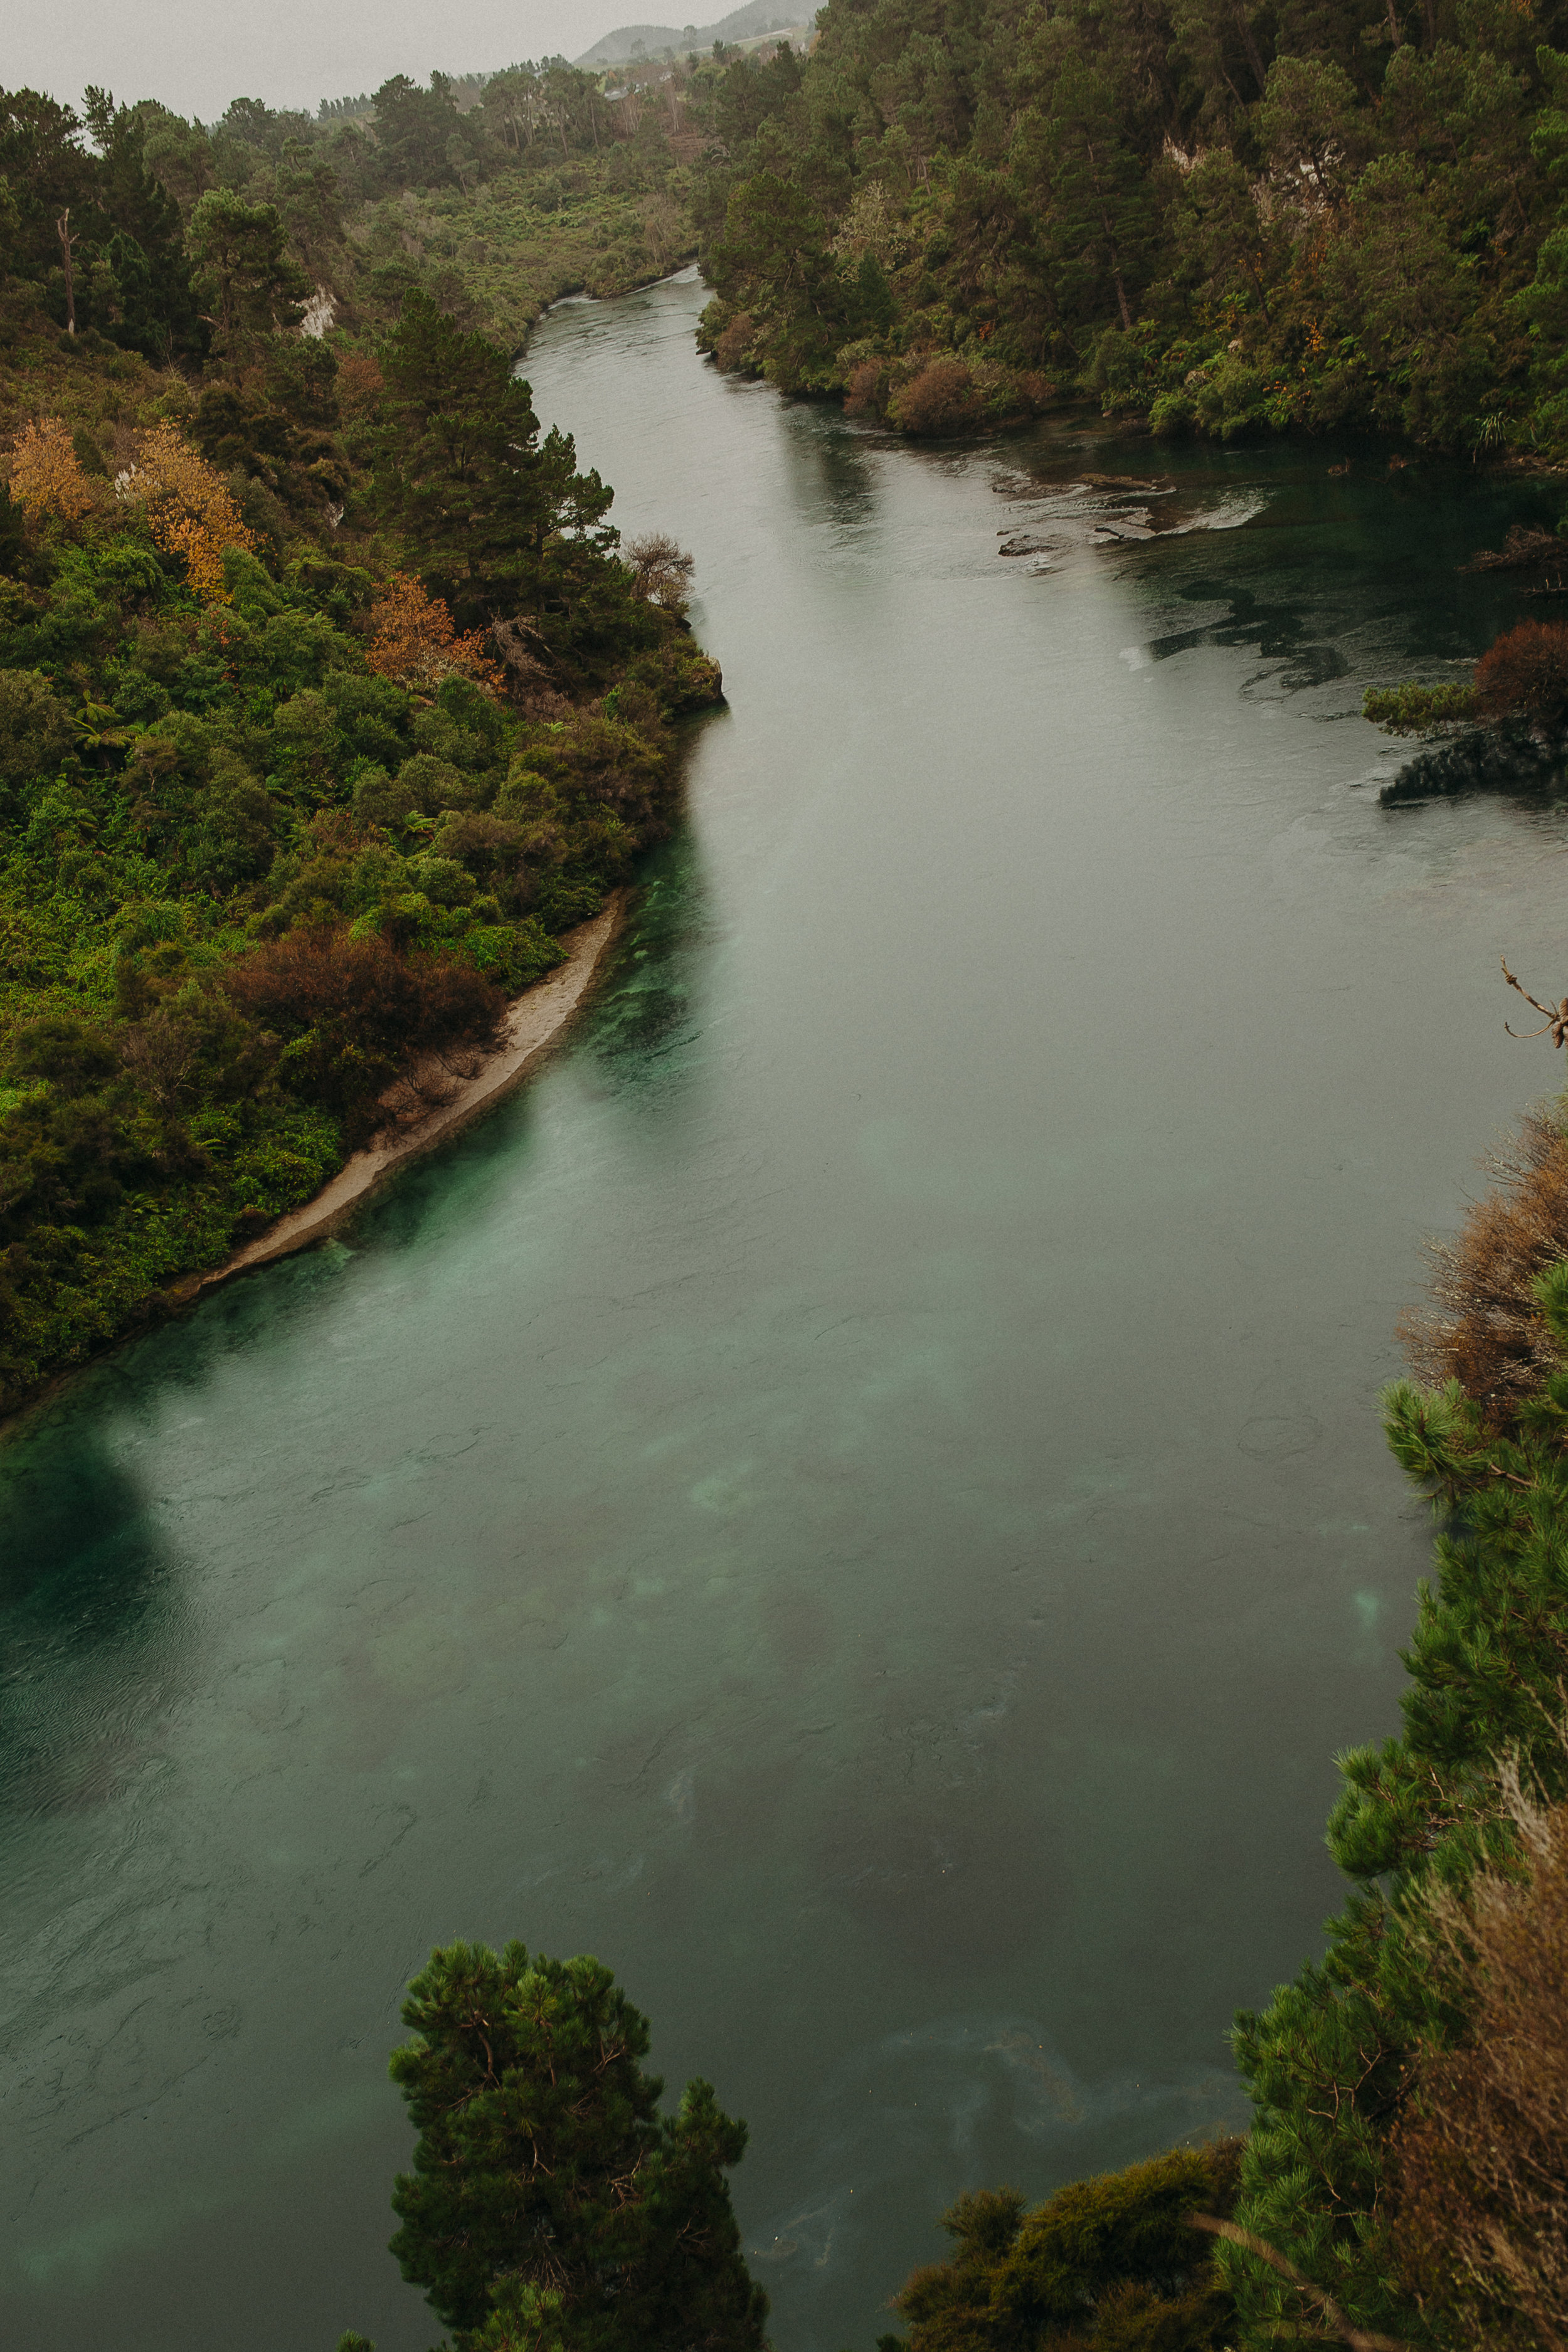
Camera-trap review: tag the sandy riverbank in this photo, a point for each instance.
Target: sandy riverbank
(441, 1095)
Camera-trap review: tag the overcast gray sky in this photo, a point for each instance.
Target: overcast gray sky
(195, 55)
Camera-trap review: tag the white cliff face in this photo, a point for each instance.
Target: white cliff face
(319, 313)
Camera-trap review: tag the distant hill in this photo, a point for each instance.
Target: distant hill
(758, 17)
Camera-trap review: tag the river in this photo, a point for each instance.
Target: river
(858, 1497)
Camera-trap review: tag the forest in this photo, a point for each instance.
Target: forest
(1217, 217)
(328, 697)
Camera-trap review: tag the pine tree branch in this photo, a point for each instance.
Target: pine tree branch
(1358, 2338)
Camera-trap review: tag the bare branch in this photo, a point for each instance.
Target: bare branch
(1556, 1022)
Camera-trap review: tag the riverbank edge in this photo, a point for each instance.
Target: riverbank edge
(534, 1023)
(578, 290)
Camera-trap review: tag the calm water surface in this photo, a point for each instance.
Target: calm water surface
(859, 1497)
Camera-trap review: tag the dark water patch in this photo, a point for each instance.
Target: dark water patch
(1280, 633)
(1388, 553)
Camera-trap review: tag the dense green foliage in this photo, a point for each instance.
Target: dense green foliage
(551, 2203)
(1419, 709)
(495, 196)
(1108, 2265)
(276, 822)
(1220, 214)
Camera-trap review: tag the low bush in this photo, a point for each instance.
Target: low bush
(734, 344)
(351, 1008)
(1525, 675)
(1419, 709)
(940, 400)
(1110, 2264)
(866, 388)
(1485, 1326)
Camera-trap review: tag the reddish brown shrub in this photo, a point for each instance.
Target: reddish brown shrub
(1480, 2158)
(350, 1010)
(732, 345)
(1525, 674)
(941, 399)
(1487, 1331)
(360, 384)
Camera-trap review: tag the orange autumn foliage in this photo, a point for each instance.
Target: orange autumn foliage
(190, 512)
(360, 384)
(416, 642)
(47, 476)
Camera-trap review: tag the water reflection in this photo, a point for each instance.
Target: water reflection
(832, 476)
(846, 478)
(76, 1550)
(648, 1018)
(965, 2081)
(91, 1625)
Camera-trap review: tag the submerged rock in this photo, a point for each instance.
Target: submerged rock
(1488, 760)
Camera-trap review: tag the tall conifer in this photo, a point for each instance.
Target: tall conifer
(502, 520)
(550, 2199)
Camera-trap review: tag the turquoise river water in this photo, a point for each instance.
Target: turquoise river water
(858, 1497)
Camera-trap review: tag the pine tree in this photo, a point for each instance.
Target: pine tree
(412, 128)
(139, 232)
(549, 2199)
(242, 267)
(503, 520)
(1095, 215)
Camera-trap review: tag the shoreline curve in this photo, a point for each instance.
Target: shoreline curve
(532, 1024)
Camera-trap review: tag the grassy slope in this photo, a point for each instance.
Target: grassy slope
(516, 250)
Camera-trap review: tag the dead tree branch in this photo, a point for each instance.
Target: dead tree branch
(1556, 1022)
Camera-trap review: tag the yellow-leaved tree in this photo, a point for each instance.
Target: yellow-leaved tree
(47, 476)
(190, 511)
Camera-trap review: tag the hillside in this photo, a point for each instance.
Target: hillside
(329, 698)
(757, 18)
(1220, 220)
